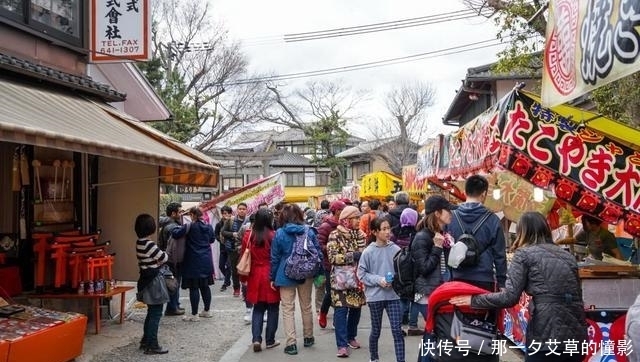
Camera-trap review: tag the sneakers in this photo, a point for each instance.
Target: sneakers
(191, 318)
(322, 320)
(354, 344)
(343, 352)
(272, 345)
(257, 346)
(205, 314)
(291, 350)
(415, 331)
(309, 341)
(236, 292)
(248, 316)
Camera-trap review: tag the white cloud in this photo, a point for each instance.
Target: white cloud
(261, 25)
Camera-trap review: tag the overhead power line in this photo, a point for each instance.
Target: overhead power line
(431, 54)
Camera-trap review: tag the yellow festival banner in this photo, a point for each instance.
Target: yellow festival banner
(589, 43)
(379, 184)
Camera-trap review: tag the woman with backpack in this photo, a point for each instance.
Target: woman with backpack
(428, 251)
(347, 297)
(197, 266)
(292, 230)
(264, 299)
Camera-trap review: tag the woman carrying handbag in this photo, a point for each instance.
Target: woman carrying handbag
(254, 268)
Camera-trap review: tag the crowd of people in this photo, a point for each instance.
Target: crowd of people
(357, 244)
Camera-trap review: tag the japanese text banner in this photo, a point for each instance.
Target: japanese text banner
(120, 30)
(589, 43)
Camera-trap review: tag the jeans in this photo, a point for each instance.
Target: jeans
(224, 266)
(174, 298)
(405, 304)
(394, 312)
(326, 301)
(151, 324)
(194, 298)
(272, 310)
(346, 322)
(414, 310)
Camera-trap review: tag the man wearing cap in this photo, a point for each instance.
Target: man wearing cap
(329, 224)
(489, 235)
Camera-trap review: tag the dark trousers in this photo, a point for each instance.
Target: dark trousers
(233, 263)
(394, 312)
(224, 266)
(257, 319)
(151, 324)
(174, 298)
(194, 298)
(247, 304)
(326, 301)
(346, 320)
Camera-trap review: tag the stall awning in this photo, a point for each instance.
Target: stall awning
(47, 118)
(302, 194)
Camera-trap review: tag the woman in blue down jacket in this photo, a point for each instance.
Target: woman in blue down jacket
(292, 221)
(550, 275)
(197, 266)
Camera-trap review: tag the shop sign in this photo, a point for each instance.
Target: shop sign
(471, 149)
(428, 158)
(410, 181)
(589, 43)
(120, 30)
(269, 190)
(379, 184)
(587, 169)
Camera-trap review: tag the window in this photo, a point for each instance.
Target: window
(295, 179)
(230, 183)
(60, 19)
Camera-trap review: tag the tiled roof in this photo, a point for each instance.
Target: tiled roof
(291, 134)
(366, 147)
(291, 159)
(41, 72)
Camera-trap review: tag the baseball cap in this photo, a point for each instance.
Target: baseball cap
(435, 203)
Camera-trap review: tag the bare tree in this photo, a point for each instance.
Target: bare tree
(320, 110)
(406, 128)
(197, 59)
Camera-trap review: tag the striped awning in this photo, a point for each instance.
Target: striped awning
(175, 176)
(48, 118)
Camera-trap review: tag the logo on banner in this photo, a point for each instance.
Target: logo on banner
(560, 54)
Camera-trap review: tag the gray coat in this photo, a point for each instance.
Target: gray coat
(550, 275)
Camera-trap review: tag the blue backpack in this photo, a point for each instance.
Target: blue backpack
(304, 261)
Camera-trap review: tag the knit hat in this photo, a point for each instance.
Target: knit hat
(409, 217)
(336, 206)
(349, 212)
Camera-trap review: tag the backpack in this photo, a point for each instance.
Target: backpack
(175, 247)
(304, 261)
(403, 268)
(466, 250)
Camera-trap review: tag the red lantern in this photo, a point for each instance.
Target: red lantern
(522, 165)
(588, 201)
(611, 213)
(565, 189)
(542, 177)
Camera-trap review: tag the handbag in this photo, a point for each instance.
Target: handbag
(473, 334)
(156, 292)
(343, 277)
(169, 279)
(244, 264)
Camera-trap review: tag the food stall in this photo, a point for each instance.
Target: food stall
(533, 155)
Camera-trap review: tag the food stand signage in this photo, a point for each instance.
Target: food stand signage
(120, 30)
(379, 184)
(589, 43)
(587, 169)
(410, 181)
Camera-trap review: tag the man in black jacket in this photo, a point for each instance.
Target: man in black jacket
(171, 221)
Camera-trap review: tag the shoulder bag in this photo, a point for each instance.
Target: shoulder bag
(244, 264)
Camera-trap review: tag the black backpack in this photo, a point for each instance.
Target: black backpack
(403, 268)
(466, 250)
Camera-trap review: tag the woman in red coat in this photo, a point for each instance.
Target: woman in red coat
(259, 291)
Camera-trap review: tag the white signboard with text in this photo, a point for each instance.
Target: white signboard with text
(120, 30)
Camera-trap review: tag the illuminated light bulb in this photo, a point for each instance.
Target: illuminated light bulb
(538, 194)
(444, 184)
(497, 194)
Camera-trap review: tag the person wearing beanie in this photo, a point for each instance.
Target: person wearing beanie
(329, 224)
(345, 246)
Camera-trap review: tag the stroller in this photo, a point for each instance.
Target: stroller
(456, 330)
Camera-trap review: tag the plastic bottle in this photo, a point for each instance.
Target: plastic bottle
(389, 277)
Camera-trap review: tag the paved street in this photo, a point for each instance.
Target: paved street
(226, 338)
